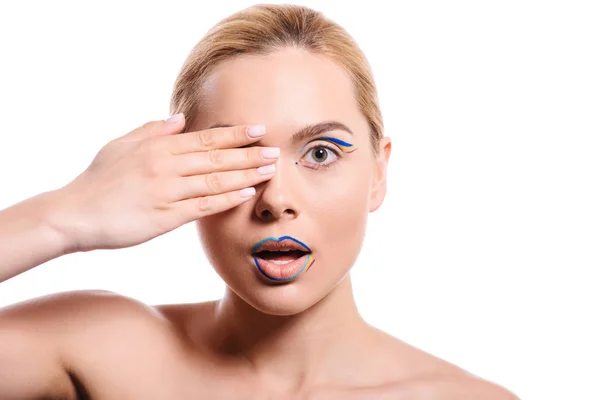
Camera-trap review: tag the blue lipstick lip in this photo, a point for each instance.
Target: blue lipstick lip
(257, 245)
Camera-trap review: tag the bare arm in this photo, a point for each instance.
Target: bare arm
(27, 237)
(141, 185)
(52, 347)
(31, 362)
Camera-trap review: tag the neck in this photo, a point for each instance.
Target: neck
(306, 346)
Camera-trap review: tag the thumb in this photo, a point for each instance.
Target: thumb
(169, 126)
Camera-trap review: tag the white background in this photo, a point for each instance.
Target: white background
(486, 248)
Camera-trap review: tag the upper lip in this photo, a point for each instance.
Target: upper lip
(277, 244)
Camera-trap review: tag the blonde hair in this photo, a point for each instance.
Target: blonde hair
(266, 28)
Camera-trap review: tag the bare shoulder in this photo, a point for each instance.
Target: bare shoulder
(77, 309)
(421, 375)
(54, 340)
(67, 319)
(447, 387)
(410, 362)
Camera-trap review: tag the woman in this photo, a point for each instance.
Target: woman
(276, 151)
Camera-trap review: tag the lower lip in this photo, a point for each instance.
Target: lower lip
(284, 272)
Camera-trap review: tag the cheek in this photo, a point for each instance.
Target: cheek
(340, 222)
(344, 191)
(341, 206)
(215, 231)
(343, 198)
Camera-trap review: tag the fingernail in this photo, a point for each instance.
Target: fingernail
(247, 192)
(266, 169)
(174, 118)
(270, 152)
(257, 131)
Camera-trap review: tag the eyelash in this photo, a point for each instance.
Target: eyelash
(324, 146)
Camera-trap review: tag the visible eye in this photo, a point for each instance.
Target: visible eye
(321, 156)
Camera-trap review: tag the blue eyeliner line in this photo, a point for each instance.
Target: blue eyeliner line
(332, 139)
(338, 141)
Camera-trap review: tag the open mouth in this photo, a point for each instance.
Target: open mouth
(282, 259)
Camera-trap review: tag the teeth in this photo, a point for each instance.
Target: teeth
(282, 250)
(278, 262)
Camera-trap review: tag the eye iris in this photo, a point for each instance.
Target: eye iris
(320, 151)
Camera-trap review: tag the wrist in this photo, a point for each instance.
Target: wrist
(55, 221)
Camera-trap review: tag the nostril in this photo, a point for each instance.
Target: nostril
(265, 214)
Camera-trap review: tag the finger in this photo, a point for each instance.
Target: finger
(150, 129)
(220, 182)
(215, 138)
(192, 209)
(223, 160)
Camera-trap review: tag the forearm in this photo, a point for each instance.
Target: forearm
(27, 239)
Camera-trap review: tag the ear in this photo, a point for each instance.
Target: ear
(379, 185)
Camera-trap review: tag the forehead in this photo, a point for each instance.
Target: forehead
(287, 87)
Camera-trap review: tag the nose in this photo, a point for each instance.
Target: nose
(276, 198)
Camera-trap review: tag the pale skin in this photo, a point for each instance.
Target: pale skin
(303, 339)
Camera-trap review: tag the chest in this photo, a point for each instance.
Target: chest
(173, 380)
(167, 369)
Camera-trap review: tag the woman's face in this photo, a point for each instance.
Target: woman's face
(322, 191)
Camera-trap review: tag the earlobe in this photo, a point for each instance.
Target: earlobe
(379, 187)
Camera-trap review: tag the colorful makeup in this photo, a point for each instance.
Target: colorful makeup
(344, 146)
(285, 258)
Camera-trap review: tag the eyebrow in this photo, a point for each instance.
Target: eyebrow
(307, 131)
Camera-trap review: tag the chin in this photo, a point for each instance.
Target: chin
(283, 299)
(279, 308)
(287, 299)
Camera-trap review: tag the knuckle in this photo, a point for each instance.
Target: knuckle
(240, 134)
(150, 158)
(213, 183)
(204, 204)
(153, 167)
(151, 125)
(150, 146)
(206, 139)
(215, 157)
(251, 175)
(252, 154)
